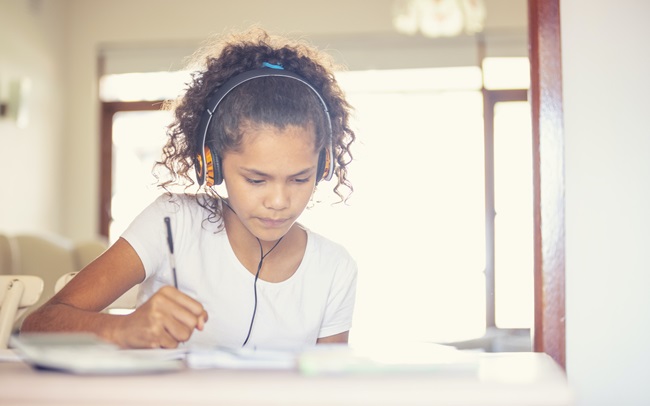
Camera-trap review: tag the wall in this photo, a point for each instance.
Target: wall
(606, 61)
(52, 164)
(92, 29)
(32, 46)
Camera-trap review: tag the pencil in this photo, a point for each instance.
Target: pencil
(170, 243)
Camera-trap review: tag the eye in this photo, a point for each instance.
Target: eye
(254, 181)
(302, 180)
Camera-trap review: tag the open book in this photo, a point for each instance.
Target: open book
(87, 354)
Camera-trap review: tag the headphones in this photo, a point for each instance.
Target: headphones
(208, 161)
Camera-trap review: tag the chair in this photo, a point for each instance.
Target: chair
(47, 256)
(7, 255)
(124, 304)
(17, 294)
(86, 251)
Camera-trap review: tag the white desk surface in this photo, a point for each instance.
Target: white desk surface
(500, 379)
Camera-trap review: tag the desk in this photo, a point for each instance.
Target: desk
(501, 379)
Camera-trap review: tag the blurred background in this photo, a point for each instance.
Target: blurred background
(93, 76)
(443, 137)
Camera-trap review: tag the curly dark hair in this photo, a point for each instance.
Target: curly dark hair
(268, 100)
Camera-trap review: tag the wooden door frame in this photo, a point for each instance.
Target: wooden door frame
(548, 177)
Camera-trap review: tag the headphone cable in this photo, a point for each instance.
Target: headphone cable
(257, 274)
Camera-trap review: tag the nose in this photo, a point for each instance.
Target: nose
(278, 197)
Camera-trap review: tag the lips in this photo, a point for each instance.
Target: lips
(273, 223)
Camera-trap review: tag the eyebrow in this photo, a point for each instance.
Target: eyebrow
(264, 174)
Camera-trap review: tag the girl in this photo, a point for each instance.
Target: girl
(266, 117)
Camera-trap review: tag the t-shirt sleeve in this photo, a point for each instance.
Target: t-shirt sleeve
(340, 306)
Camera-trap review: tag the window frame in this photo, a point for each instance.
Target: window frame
(108, 111)
(490, 99)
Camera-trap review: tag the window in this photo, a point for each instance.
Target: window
(513, 191)
(133, 187)
(415, 222)
(430, 258)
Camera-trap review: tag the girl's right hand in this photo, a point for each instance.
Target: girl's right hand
(167, 319)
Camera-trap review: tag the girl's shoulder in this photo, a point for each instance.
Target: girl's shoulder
(183, 207)
(176, 202)
(326, 247)
(330, 258)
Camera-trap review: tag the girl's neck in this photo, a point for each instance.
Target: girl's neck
(240, 236)
(280, 264)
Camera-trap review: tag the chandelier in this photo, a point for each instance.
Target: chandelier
(439, 18)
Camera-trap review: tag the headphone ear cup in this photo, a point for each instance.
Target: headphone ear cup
(199, 164)
(214, 174)
(320, 169)
(325, 168)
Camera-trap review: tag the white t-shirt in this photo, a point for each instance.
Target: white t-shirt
(316, 301)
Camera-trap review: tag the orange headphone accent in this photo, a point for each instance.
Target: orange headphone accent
(209, 178)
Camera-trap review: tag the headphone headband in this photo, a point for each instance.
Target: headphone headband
(203, 167)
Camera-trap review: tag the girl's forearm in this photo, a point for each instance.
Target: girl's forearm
(61, 317)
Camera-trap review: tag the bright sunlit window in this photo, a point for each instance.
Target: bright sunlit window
(513, 201)
(506, 73)
(416, 220)
(138, 138)
(142, 86)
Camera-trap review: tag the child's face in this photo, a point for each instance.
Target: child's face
(271, 179)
